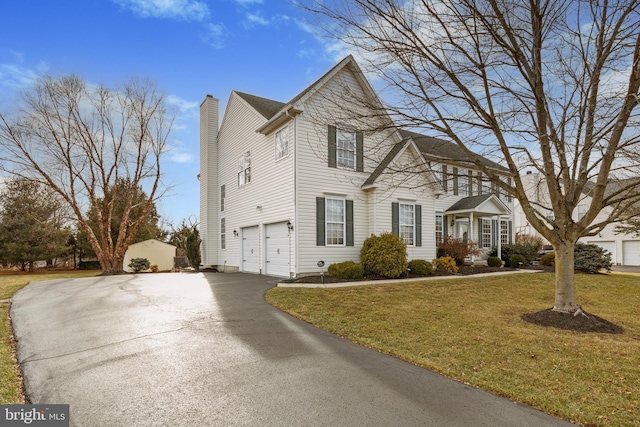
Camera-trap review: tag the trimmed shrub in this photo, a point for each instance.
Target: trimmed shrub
(528, 251)
(139, 264)
(494, 261)
(154, 268)
(385, 255)
(529, 240)
(457, 249)
(548, 260)
(346, 270)
(445, 264)
(591, 258)
(516, 260)
(421, 267)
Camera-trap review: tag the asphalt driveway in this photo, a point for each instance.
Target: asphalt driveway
(206, 350)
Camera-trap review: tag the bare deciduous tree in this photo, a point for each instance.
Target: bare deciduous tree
(80, 141)
(544, 85)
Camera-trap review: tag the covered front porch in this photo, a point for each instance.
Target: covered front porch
(484, 219)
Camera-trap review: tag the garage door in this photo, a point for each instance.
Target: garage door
(610, 246)
(277, 249)
(631, 252)
(250, 250)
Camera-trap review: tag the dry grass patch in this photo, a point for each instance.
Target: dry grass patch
(10, 377)
(470, 330)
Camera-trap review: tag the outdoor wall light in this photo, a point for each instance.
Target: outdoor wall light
(289, 226)
(235, 233)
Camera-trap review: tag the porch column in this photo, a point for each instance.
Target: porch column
(471, 234)
(499, 239)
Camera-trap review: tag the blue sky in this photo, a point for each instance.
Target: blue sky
(190, 48)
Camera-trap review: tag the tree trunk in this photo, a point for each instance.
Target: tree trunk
(565, 280)
(111, 265)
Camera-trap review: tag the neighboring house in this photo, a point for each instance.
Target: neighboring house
(624, 248)
(157, 252)
(286, 185)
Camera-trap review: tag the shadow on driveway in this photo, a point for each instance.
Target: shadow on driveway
(206, 350)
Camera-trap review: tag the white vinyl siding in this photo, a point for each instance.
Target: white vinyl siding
(282, 143)
(264, 200)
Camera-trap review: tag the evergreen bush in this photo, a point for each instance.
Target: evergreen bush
(421, 267)
(139, 264)
(548, 260)
(346, 270)
(516, 261)
(494, 261)
(385, 255)
(591, 258)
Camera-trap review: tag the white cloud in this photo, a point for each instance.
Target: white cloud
(256, 18)
(189, 10)
(181, 157)
(182, 105)
(214, 35)
(14, 77)
(248, 2)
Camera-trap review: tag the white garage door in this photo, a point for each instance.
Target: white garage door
(277, 249)
(631, 252)
(610, 246)
(250, 250)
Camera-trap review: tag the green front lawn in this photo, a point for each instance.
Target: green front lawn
(470, 329)
(10, 378)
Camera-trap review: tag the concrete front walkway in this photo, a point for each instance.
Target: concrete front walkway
(206, 350)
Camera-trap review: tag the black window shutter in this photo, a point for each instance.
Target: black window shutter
(445, 227)
(320, 224)
(479, 177)
(331, 143)
(480, 224)
(455, 181)
(418, 213)
(470, 178)
(359, 152)
(444, 178)
(395, 218)
(508, 193)
(349, 221)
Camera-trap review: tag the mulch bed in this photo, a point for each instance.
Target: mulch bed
(464, 270)
(582, 322)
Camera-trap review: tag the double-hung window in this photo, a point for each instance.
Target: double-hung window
(346, 149)
(244, 169)
(582, 211)
(439, 229)
(282, 143)
(335, 221)
(407, 223)
(504, 232)
(486, 233)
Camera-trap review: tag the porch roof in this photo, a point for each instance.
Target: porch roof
(482, 205)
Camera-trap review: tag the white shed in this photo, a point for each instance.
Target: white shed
(157, 252)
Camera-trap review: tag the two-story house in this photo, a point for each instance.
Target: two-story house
(624, 248)
(285, 185)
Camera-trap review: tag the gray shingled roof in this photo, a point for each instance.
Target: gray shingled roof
(267, 107)
(435, 147)
(469, 203)
(384, 163)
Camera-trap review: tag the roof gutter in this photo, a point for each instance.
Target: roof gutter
(285, 115)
